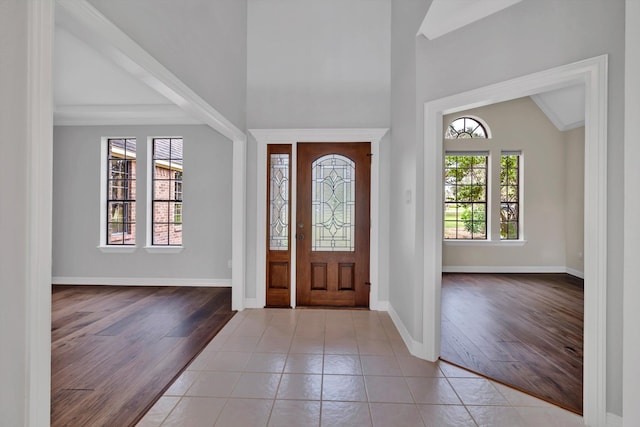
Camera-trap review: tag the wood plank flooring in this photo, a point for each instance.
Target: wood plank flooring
(115, 350)
(524, 330)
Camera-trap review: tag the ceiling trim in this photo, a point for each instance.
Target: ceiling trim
(86, 22)
(94, 115)
(553, 116)
(445, 16)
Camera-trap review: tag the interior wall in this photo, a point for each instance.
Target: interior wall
(316, 65)
(518, 125)
(202, 42)
(531, 36)
(405, 298)
(14, 255)
(207, 207)
(574, 201)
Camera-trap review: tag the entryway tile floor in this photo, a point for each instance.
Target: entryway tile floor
(315, 367)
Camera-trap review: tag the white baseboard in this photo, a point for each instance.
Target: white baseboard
(574, 272)
(140, 281)
(251, 303)
(510, 269)
(614, 420)
(415, 347)
(380, 306)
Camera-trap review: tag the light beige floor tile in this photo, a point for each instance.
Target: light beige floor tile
(158, 412)
(182, 383)
(432, 391)
(380, 365)
(374, 347)
(343, 387)
(245, 413)
(399, 347)
(266, 362)
(240, 343)
(195, 412)
(496, 416)
(412, 366)
(518, 398)
(303, 363)
(274, 344)
(345, 414)
(254, 385)
(387, 389)
(342, 364)
(300, 387)
(451, 371)
(446, 416)
(309, 345)
(549, 416)
(309, 331)
(295, 413)
(477, 391)
(394, 415)
(230, 361)
(213, 384)
(340, 345)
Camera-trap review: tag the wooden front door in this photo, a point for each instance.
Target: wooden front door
(332, 224)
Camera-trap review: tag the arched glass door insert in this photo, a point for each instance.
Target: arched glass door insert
(333, 187)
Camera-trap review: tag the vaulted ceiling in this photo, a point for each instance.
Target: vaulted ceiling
(91, 89)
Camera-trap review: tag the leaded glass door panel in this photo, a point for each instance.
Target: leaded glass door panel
(332, 224)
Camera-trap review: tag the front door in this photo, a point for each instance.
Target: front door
(332, 224)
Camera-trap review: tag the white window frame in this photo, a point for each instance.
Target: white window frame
(149, 246)
(104, 183)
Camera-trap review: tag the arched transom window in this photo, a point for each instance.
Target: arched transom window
(465, 127)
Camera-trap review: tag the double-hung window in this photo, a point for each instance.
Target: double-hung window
(167, 189)
(120, 204)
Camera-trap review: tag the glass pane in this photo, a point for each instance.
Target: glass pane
(279, 202)
(160, 234)
(333, 201)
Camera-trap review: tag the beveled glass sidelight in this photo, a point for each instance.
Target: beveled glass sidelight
(333, 187)
(279, 202)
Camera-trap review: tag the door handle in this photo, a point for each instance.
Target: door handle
(300, 236)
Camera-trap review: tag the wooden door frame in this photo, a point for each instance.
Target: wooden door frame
(265, 137)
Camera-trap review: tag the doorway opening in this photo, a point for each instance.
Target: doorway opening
(592, 73)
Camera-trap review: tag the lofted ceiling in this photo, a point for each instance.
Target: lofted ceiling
(92, 89)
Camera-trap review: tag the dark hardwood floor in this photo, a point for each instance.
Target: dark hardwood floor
(523, 330)
(115, 350)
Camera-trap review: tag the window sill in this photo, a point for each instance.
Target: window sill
(164, 249)
(117, 249)
(484, 242)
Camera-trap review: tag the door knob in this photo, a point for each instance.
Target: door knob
(300, 236)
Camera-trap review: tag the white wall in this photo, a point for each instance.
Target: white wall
(206, 210)
(574, 200)
(405, 298)
(317, 65)
(520, 125)
(202, 42)
(13, 223)
(531, 36)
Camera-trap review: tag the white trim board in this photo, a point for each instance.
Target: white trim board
(592, 73)
(39, 161)
(293, 136)
(140, 281)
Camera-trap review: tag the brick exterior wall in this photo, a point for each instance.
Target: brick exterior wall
(165, 230)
